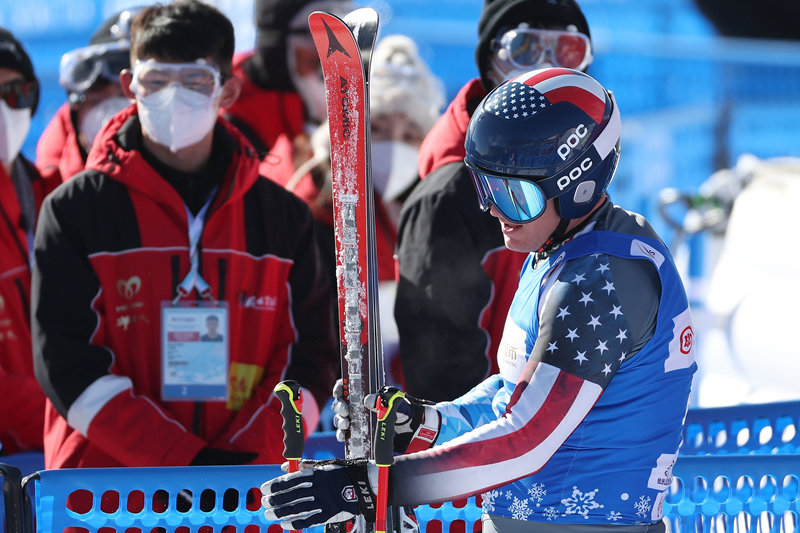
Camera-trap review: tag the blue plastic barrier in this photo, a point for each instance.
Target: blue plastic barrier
(11, 504)
(738, 471)
(754, 493)
(741, 493)
(181, 499)
(743, 429)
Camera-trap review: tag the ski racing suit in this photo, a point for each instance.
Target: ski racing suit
(583, 423)
(112, 247)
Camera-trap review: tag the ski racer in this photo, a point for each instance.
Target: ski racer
(580, 428)
(450, 321)
(170, 223)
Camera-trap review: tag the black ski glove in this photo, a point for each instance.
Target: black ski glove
(322, 492)
(217, 456)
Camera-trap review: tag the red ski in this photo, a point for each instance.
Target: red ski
(345, 48)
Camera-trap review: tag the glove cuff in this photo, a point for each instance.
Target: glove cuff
(359, 476)
(427, 432)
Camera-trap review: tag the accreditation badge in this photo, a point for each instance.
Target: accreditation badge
(194, 351)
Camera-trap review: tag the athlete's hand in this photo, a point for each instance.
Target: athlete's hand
(416, 425)
(341, 411)
(322, 492)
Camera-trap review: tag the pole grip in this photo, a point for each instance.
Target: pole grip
(386, 406)
(288, 392)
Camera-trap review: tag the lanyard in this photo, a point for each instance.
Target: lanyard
(193, 279)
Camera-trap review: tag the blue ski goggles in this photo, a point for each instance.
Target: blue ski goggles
(519, 201)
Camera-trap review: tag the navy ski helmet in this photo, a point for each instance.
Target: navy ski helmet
(548, 133)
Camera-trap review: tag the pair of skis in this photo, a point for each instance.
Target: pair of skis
(345, 50)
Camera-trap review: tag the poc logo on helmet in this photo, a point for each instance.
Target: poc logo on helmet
(576, 172)
(572, 142)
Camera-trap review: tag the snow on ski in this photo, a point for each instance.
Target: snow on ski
(345, 48)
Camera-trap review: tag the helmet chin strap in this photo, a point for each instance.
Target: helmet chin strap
(560, 235)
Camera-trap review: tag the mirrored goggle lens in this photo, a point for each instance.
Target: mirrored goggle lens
(518, 201)
(19, 94)
(81, 68)
(153, 77)
(529, 47)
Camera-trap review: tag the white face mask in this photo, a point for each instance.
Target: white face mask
(97, 117)
(177, 117)
(14, 126)
(312, 90)
(310, 84)
(394, 167)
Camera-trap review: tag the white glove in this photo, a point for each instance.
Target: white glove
(416, 427)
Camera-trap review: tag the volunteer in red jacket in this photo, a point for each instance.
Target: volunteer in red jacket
(21, 194)
(171, 223)
(90, 75)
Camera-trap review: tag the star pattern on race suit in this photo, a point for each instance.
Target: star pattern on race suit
(515, 100)
(588, 334)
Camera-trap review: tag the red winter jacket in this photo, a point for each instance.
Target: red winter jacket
(58, 153)
(111, 249)
(22, 399)
(457, 278)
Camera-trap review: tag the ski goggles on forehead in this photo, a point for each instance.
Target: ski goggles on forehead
(519, 201)
(19, 94)
(151, 76)
(528, 47)
(81, 68)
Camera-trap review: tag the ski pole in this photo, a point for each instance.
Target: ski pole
(386, 406)
(288, 392)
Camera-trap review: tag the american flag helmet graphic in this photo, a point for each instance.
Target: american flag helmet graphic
(556, 128)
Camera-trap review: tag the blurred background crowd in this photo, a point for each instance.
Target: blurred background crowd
(708, 91)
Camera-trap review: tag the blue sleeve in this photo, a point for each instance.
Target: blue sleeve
(471, 410)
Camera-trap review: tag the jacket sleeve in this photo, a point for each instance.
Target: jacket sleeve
(70, 361)
(443, 288)
(257, 426)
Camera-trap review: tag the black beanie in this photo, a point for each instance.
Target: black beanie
(13, 56)
(116, 27)
(499, 13)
